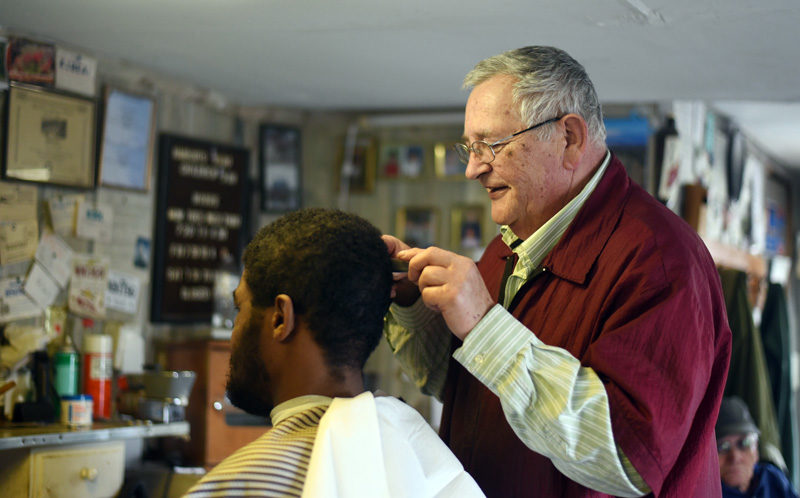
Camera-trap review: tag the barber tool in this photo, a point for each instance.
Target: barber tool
(399, 266)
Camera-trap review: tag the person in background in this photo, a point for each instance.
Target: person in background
(737, 445)
(310, 305)
(586, 353)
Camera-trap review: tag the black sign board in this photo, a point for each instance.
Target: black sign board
(200, 225)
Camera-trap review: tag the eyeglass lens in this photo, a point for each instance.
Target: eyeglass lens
(745, 443)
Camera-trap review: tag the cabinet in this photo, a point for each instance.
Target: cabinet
(90, 470)
(217, 427)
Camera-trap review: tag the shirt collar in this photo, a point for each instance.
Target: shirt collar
(296, 405)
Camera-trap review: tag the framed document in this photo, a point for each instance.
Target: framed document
(127, 141)
(50, 137)
(280, 168)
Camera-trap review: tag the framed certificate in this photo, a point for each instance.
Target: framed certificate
(50, 137)
(127, 141)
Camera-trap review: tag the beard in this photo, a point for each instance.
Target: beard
(248, 381)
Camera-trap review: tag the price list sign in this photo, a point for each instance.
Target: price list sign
(200, 225)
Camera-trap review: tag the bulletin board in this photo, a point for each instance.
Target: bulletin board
(201, 224)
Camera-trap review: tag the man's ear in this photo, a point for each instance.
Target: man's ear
(283, 319)
(577, 139)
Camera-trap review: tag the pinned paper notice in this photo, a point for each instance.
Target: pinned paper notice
(62, 213)
(94, 222)
(14, 303)
(18, 240)
(123, 292)
(41, 287)
(87, 287)
(56, 257)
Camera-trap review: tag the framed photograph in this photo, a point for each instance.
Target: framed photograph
(280, 168)
(126, 150)
(401, 160)
(360, 173)
(446, 162)
(467, 234)
(50, 137)
(417, 226)
(31, 61)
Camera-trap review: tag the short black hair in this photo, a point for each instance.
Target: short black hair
(336, 268)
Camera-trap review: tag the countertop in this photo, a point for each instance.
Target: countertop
(32, 435)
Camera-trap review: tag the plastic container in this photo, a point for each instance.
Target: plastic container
(66, 369)
(76, 411)
(97, 368)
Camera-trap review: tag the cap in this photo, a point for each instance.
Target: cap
(734, 418)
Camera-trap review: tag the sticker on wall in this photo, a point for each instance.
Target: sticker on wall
(75, 72)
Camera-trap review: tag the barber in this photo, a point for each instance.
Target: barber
(586, 353)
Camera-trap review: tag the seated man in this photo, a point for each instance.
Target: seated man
(310, 306)
(737, 446)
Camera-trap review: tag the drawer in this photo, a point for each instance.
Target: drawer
(90, 470)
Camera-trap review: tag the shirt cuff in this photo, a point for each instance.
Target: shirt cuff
(497, 337)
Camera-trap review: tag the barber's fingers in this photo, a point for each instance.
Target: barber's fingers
(394, 245)
(420, 259)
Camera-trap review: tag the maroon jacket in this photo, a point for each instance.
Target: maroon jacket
(632, 292)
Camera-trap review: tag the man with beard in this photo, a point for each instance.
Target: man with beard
(310, 306)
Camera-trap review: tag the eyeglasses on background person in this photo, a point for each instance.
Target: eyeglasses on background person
(744, 443)
(484, 150)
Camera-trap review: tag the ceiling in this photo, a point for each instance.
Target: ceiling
(412, 55)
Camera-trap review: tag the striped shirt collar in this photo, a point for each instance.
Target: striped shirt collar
(297, 405)
(532, 251)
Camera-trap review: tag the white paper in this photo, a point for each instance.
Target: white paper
(14, 303)
(56, 257)
(17, 202)
(41, 287)
(87, 287)
(122, 293)
(75, 72)
(95, 222)
(18, 240)
(62, 213)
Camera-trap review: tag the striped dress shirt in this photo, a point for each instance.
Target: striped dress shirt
(276, 463)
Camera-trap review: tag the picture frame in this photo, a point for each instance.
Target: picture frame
(417, 226)
(280, 168)
(446, 162)
(401, 160)
(361, 177)
(50, 137)
(467, 229)
(128, 135)
(31, 61)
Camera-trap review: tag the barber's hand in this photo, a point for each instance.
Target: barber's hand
(404, 292)
(450, 284)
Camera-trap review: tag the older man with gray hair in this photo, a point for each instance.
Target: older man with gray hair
(586, 353)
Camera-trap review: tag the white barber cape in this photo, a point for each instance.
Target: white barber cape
(381, 447)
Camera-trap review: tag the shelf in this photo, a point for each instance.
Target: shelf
(27, 436)
(731, 257)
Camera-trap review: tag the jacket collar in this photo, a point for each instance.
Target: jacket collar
(575, 254)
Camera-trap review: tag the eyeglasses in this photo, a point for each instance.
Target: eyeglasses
(744, 444)
(484, 150)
